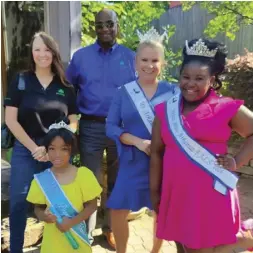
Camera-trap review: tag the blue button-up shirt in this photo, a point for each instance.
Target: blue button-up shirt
(97, 75)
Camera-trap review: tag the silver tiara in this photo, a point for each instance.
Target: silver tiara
(151, 35)
(200, 49)
(60, 125)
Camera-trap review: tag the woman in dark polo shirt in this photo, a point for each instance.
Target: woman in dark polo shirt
(35, 100)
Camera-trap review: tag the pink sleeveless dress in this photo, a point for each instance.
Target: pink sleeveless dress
(191, 211)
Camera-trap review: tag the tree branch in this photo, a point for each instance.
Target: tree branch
(238, 13)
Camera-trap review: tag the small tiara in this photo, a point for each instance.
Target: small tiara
(200, 49)
(151, 35)
(61, 125)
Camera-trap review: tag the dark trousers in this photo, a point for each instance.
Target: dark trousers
(23, 167)
(93, 142)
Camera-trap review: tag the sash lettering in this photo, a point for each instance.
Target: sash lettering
(142, 105)
(223, 179)
(59, 201)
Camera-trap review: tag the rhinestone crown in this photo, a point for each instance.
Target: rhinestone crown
(200, 49)
(151, 35)
(60, 125)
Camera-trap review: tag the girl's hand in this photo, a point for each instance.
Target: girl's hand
(144, 146)
(226, 161)
(39, 153)
(49, 217)
(45, 158)
(66, 224)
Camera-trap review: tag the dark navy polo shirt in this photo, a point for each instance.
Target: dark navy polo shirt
(38, 108)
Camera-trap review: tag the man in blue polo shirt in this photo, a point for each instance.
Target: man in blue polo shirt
(97, 71)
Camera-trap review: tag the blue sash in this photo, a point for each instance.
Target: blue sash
(57, 198)
(144, 107)
(223, 179)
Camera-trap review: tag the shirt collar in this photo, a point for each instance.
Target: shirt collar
(55, 81)
(99, 48)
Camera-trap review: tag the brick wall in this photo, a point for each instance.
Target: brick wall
(175, 4)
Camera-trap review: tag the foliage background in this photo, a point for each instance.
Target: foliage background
(132, 15)
(23, 12)
(239, 76)
(228, 16)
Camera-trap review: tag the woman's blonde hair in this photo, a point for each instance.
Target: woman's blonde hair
(152, 44)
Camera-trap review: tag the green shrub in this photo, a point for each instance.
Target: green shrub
(238, 82)
(239, 78)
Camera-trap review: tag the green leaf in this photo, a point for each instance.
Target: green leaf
(228, 15)
(132, 15)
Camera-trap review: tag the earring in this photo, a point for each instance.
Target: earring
(136, 74)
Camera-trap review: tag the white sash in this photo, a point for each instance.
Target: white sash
(141, 103)
(223, 179)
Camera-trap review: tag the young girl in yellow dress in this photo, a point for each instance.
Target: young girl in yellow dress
(64, 196)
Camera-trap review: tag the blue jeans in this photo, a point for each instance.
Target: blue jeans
(93, 142)
(23, 167)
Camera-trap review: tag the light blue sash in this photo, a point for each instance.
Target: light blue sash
(144, 107)
(223, 179)
(57, 198)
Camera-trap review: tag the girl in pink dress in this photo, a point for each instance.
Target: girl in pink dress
(191, 211)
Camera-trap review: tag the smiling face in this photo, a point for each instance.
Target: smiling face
(106, 26)
(149, 62)
(42, 55)
(195, 81)
(59, 153)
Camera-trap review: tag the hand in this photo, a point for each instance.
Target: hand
(144, 145)
(155, 199)
(65, 226)
(49, 217)
(45, 158)
(39, 152)
(226, 161)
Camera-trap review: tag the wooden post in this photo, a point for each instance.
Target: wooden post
(3, 71)
(63, 22)
(3, 63)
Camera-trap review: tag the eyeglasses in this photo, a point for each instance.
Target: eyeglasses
(108, 24)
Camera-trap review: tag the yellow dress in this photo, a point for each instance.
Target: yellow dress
(84, 188)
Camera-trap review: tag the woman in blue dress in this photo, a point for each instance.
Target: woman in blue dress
(129, 124)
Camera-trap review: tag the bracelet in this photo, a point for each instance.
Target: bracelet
(235, 165)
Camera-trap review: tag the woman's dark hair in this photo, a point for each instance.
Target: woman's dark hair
(57, 66)
(216, 64)
(68, 137)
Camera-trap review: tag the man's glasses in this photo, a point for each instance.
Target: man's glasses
(108, 24)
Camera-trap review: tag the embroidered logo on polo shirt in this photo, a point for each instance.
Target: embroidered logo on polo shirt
(121, 63)
(60, 92)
